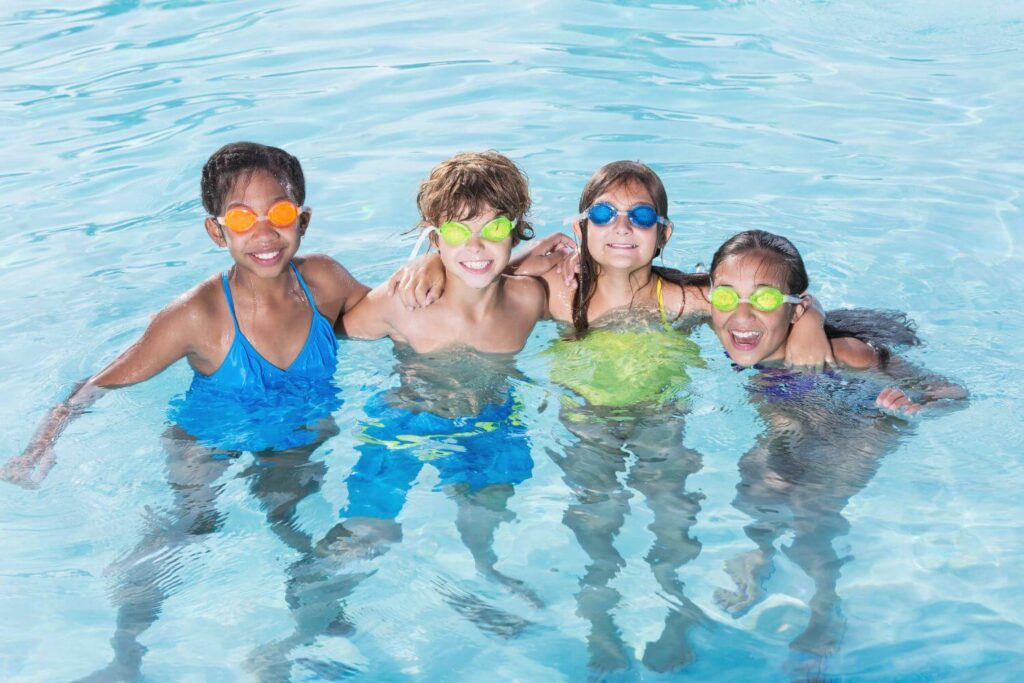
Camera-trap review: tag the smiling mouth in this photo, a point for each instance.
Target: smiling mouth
(620, 245)
(476, 266)
(745, 341)
(266, 256)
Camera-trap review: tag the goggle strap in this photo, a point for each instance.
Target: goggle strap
(572, 219)
(419, 241)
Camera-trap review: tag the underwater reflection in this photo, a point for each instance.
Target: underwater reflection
(628, 428)
(824, 440)
(145, 577)
(455, 411)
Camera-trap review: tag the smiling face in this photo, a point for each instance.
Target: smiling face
(476, 262)
(620, 244)
(748, 335)
(265, 249)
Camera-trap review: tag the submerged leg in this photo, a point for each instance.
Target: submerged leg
(479, 515)
(321, 580)
(661, 477)
(146, 576)
(592, 469)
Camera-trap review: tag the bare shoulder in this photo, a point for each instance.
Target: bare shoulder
(332, 285)
(559, 294)
(685, 300)
(530, 293)
(853, 352)
(200, 306)
(376, 315)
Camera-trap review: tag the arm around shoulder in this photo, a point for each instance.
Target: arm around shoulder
(373, 317)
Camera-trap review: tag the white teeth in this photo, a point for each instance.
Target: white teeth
(746, 336)
(476, 265)
(622, 246)
(267, 255)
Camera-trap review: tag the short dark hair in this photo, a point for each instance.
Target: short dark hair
(237, 159)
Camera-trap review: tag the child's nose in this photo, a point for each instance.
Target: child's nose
(475, 242)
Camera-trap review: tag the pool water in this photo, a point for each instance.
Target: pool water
(714, 535)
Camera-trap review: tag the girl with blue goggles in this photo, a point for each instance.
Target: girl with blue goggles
(643, 216)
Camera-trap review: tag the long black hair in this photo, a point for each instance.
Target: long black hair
(882, 329)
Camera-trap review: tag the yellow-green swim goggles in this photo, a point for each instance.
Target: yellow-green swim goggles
(765, 299)
(455, 233)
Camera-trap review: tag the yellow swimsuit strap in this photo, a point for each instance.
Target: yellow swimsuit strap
(661, 302)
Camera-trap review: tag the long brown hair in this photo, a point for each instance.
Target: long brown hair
(610, 175)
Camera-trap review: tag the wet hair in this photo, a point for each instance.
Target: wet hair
(610, 175)
(781, 261)
(242, 160)
(460, 187)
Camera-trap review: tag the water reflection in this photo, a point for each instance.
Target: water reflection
(148, 575)
(628, 438)
(824, 440)
(457, 412)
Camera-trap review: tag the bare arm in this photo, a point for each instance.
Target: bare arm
(421, 282)
(808, 346)
(163, 342)
(373, 317)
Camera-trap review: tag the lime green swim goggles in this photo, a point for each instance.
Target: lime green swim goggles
(765, 299)
(455, 233)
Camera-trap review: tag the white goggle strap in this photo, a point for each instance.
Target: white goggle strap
(572, 219)
(419, 241)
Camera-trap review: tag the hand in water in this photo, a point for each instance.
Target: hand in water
(30, 468)
(897, 402)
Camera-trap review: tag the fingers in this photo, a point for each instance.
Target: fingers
(894, 400)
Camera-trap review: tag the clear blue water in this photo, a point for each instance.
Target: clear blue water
(883, 138)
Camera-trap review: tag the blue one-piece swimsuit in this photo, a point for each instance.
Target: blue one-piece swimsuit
(250, 404)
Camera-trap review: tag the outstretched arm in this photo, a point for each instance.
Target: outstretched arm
(164, 341)
(914, 388)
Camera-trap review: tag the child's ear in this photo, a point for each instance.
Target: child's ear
(799, 310)
(578, 231)
(304, 218)
(216, 232)
(666, 232)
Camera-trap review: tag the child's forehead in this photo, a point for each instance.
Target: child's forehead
(757, 267)
(254, 183)
(468, 212)
(630, 191)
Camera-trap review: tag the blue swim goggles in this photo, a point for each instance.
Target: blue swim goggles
(643, 216)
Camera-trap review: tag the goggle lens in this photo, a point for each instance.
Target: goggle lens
(242, 219)
(642, 215)
(456, 233)
(764, 299)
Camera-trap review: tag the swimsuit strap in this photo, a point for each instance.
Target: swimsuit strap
(231, 302)
(661, 302)
(302, 283)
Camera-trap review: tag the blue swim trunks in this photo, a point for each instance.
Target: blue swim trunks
(487, 449)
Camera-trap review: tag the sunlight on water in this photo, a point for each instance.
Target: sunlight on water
(460, 516)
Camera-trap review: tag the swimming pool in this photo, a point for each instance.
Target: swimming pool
(883, 140)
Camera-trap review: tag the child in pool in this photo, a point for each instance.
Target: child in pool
(823, 440)
(266, 323)
(758, 291)
(621, 228)
(473, 208)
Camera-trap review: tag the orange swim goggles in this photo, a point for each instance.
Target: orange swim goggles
(281, 215)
